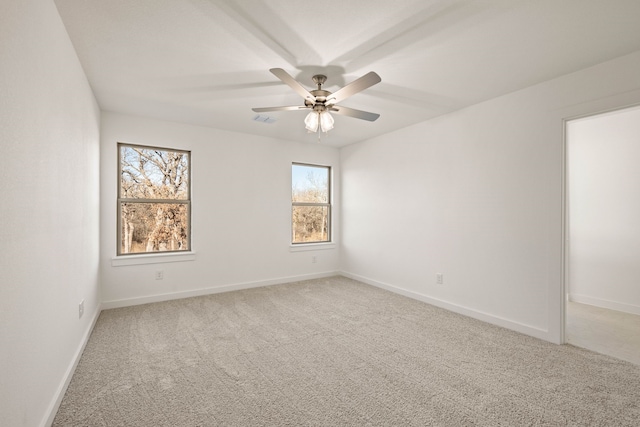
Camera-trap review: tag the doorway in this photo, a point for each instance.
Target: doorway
(602, 301)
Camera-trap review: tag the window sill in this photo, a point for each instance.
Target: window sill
(311, 247)
(120, 261)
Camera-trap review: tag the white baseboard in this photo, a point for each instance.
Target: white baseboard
(603, 303)
(52, 410)
(485, 317)
(213, 290)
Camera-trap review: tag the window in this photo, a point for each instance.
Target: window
(310, 204)
(154, 200)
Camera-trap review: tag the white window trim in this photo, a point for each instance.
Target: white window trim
(142, 255)
(311, 246)
(299, 247)
(154, 258)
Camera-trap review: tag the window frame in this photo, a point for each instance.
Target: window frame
(120, 201)
(328, 205)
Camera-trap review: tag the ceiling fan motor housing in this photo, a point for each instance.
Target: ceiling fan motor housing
(320, 96)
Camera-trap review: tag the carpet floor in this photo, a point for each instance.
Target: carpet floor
(334, 352)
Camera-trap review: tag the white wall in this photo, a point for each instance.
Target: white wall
(604, 210)
(476, 195)
(241, 192)
(50, 215)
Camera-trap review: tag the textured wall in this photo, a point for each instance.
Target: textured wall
(476, 195)
(49, 212)
(241, 197)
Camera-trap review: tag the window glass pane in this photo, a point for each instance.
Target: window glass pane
(310, 224)
(154, 227)
(153, 173)
(310, 184)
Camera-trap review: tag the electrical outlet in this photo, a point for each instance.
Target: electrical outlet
(439, 279)
(80, 309)
(314, 259)
(159, 275)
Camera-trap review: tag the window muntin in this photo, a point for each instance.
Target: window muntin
(310, 203)
(154, 200)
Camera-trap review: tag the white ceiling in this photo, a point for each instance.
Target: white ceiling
(206, 62)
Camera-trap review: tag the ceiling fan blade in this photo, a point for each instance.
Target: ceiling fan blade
(267, 109)
(354, 87)
(293, 83)
(352, 112)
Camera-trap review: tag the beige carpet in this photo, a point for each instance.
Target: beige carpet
(334, 352)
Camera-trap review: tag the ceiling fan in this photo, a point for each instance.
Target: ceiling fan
(321, 101)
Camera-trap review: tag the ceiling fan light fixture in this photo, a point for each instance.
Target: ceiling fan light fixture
(318, 119)
(311, 121)
(326, 121)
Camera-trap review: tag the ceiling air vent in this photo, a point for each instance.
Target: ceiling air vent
(264, 119)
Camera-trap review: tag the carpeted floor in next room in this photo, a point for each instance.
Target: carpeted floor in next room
(334, 352)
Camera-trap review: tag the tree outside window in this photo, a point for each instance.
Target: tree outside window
(153, 200)
(310, 203)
